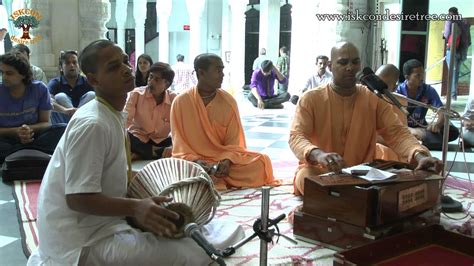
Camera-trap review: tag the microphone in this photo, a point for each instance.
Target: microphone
(375, 84)
(191, 230)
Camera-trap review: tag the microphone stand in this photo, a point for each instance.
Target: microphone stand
(451, 71)
(448, 114)
(454, 32)
(261, 229)
(264, 225)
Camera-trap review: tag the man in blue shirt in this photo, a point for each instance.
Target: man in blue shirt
(431, 134)
(262, 83)
(70, 90)
(24, 109)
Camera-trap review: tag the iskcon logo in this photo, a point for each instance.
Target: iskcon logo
(26, 19)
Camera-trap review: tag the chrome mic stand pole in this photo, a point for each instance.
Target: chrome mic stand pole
(264, 224)
(454, 34)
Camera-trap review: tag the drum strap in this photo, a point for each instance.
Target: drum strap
(126, 139)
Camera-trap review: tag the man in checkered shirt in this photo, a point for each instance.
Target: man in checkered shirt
(185, 77)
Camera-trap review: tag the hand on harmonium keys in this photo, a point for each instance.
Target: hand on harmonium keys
(428, 163)
(331, 160)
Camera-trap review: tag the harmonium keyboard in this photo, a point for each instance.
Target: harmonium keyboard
(343, 211)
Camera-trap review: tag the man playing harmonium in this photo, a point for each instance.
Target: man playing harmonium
(336, 125)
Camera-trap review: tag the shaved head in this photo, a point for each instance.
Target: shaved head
(389, 74)
(335, 50)
(344, 64)
(388, 70)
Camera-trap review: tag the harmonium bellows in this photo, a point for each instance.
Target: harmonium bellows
(345, 207)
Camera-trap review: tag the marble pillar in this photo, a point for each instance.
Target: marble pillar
(139, 15)
(163, 11)
(237, 56)
(195, 11)
(305, 43)
(270, 28)
(121, 19)
(226, 44)
(93, 15)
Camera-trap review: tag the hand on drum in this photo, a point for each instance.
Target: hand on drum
(331, 160)
(151, 216)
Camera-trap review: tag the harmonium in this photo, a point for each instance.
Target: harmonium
(344, 211)
(430, 245)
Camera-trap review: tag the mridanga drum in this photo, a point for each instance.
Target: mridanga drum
(195, 198)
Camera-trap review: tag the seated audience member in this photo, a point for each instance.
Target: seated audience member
(258, 61)
(283, 66)
(468, 130)
(431, 134)
(70, 90)
(262, 83)
(82, 204)
(142, 71)
(320, 78)
(24, 109)
(336, 125)
(206, 127)
(38, 73)
(184, 75)
(148, 119)
(389, 74)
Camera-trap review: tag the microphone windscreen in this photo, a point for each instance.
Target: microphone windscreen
(367, 71)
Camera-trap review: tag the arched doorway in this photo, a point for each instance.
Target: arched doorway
(285, 26)
(252, 24)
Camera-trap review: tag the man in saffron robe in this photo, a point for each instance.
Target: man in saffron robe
(389, 74)
(206, 127)
(336, 125)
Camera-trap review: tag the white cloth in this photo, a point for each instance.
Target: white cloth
(38, 74)
(258, 61)
(3, 25)
(184, 78)
(148, 249)
(134, 247)
(223, 234)
(316, 81)
(90, 158)
(469, 109)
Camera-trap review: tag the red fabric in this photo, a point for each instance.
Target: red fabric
(450, 41)
(432, 255)
(29, 200)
